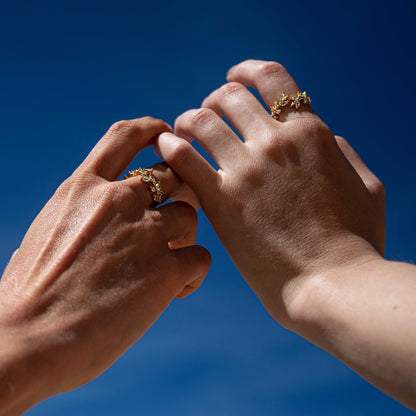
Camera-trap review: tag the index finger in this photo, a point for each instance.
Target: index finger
(124, 139)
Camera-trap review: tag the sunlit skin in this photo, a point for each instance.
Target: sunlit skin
(95, 270)
(303, 219)
(300, 214)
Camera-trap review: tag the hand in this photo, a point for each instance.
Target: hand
(289, 202)
(94, 272)
(303, 219)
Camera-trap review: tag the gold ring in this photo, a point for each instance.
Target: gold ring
(286, 100)
(147, 176)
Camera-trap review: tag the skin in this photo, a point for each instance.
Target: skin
(95, 270)
(303, 219)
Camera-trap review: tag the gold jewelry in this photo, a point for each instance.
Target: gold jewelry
(285, 100)
(147, 176)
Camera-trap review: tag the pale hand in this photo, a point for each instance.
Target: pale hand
(303, 219)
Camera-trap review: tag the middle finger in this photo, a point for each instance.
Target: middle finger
(241, 108)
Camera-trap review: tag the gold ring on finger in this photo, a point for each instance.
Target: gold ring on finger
(286, 100)
(152, 182)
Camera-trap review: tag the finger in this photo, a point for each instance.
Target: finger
(190, 288)
(189, 165)
(270, 79)
(187, 240)
(212, 133)
(241, 108)
(172, 186)
(370, 180)
(179, 221)
(169, 183)
(186, 194)
(114, 152)
(372, 183)
(193, 264)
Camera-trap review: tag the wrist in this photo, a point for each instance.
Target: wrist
(18, 389)
(298, 294)
(23, 377)
(316, 304)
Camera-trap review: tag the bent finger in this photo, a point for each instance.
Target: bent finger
(190, 288)
(179, 222)
(118, 147)
(189, 165)
(186, 194)
(193, 264)
(163, 177)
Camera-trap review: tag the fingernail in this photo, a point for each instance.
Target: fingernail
(168, 135)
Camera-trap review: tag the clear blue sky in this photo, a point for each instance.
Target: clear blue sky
(70, 69)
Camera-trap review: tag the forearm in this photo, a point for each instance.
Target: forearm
(365, 316)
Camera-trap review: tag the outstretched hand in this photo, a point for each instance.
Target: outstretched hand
(288, 202)
(303, 219)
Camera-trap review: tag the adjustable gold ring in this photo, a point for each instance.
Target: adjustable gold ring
(286, 100)
(147, 176)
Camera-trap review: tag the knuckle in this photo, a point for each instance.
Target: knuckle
(379, 190)
(148, 119)
(64, 188)
(80, 186)
(70, 186)
(180, 153)
(253, 174)
(198, 118)
(123, 128)
(270, 68)
(150, 123)
(119, 197)
(229, 89)
(315, 130)
(274, 146)
(111, 195)
(155, 218)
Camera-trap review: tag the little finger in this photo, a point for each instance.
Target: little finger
(192, 264)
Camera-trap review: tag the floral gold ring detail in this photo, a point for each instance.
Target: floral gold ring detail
(147, 176)
(286, 100)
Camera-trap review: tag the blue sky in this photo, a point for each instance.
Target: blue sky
(68, 70)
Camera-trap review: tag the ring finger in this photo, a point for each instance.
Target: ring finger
(270, 79)
(158, 184)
